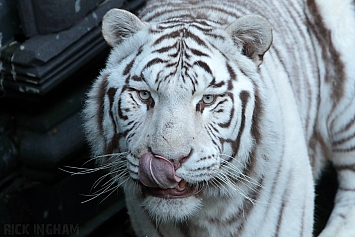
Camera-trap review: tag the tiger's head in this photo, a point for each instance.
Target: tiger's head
(175, 111)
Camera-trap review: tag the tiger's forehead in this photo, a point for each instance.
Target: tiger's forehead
(198, 33)
(182, 54)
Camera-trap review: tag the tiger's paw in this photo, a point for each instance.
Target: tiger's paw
(342, 220)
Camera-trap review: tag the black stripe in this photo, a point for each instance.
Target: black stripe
(120, 113)
(130, 64)
(100, 101)
(244, 97)
(197, 40)
(347, 126)
(257, 116)
(137, 78)
(346, 189)
(214, 84)
(127, 69)
(204, 66)
(349, 149)
(165, 49)
(231, 115)
(212, 135)
(344, 167)
(173, 34)
(335, 74)
(198, 53)
(112, 145)
(232, 76)
(170, 24)
(153, 62)
(218, 104)
(343, 140)
(111, 92)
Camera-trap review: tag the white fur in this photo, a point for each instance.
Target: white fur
(297, 123)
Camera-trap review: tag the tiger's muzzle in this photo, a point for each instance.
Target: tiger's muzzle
(159, 179)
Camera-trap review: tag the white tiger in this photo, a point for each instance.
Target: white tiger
(217, 117)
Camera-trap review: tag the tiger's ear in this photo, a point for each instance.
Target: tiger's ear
(117, 25)
(252, 34)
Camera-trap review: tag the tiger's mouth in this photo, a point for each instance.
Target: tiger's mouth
(158, 177)
(181, 190)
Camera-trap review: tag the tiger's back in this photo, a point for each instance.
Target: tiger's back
(221, 128)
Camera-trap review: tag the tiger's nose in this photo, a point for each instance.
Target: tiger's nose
(176, 160)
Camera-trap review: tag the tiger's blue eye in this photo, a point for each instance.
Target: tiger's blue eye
(208, 99)
(144, 95)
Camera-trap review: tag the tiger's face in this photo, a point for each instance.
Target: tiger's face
(178, 100)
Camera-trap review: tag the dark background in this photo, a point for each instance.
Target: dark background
(50, 52)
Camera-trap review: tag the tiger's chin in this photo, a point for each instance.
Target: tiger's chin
(171, 209)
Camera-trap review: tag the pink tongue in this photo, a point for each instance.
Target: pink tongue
(156, 171)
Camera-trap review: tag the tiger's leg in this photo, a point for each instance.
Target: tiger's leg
(342, 220)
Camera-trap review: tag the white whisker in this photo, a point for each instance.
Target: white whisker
(109, 188)
(116, 174)
(237, 174)
(230, 184)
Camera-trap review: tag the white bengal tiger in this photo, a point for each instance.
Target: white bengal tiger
(217, 117)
